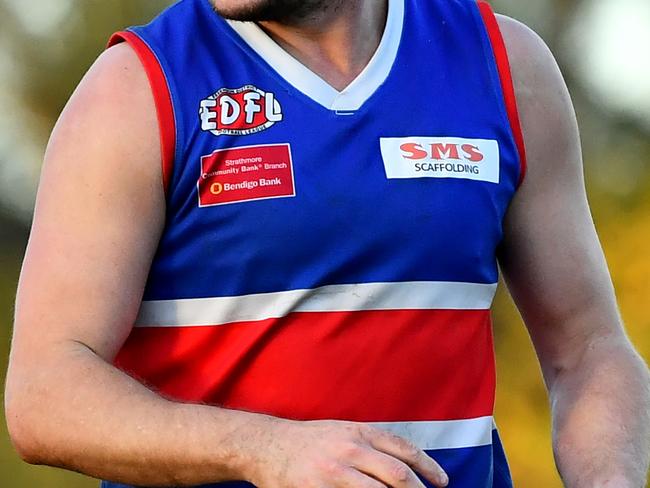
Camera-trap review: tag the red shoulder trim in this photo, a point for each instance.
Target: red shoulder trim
(503, 65)
(162, 99)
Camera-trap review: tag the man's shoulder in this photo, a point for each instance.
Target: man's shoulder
(110, 123)
(118, 72)
(114, 100)
(532, 63)
(543, 100)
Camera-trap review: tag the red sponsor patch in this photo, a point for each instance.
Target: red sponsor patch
(246, 173)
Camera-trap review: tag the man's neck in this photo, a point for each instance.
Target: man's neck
(336, 43)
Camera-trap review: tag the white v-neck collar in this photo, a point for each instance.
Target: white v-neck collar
(303, 79)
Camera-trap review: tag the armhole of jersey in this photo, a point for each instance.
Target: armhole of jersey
(507, 87)
(162, 99)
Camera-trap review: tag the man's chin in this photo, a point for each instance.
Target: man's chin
(267, 10)
(249, 10)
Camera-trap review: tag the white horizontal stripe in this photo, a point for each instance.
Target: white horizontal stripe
(425, 295)
(444, 434)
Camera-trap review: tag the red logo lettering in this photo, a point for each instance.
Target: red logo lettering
(444, 151)
(441, 151)
(415, 151)
(472, 153)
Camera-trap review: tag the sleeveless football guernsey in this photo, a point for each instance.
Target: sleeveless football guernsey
(331, 254)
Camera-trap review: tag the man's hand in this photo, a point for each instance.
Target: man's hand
(339, 454)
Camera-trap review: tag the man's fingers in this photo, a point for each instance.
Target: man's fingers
(351, 478)
(385, 468)
(407, 452)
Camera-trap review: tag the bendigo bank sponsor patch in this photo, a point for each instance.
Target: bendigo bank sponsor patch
(441, 157)
(246, 173)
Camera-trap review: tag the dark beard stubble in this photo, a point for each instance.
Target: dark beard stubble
(283, 11)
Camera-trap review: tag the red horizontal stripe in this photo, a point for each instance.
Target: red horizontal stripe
(368, 366)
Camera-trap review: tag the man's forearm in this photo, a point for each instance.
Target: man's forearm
(601, 418)
(92, 418)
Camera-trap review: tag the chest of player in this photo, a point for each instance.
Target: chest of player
(315, 197)
(280, 182)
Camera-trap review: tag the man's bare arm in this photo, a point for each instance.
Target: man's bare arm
(99, 215)
(556, 272)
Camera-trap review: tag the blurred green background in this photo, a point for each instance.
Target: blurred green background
(603, 48)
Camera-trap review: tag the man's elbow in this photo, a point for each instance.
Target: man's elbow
(607, 358)
(26, 418)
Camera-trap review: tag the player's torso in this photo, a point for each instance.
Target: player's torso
(333, 255)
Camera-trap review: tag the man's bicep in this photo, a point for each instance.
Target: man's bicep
(99, 214)
(551, 256)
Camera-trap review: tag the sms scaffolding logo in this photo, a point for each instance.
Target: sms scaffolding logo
(240, 111)
(441, 157)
